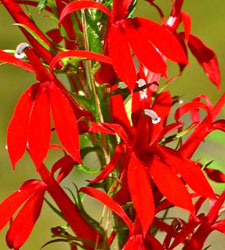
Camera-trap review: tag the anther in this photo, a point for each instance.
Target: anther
(20, 50)
(153, 115)
(143, 93)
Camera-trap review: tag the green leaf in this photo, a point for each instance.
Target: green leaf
(87, 170)
(55, 210)
(93, 33)
(177, 136)
(38, 39)
(53, 241)
(42, 4)
(132, 8)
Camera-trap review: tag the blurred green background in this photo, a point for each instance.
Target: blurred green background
(208, 21)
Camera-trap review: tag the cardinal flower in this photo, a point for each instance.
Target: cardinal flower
(30, 196)
(30, 126)
(149, 41)
(145, 161)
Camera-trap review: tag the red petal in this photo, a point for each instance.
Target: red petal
(23, 224)
(55, 35)
(109, 128)
(141, 192)
(65, 122)
(189, 170)
(214, 211)
(119, 114)
(162, 38)
(162, 107)
(40, 127)
(118, 153)
(204, 128)
(109, 202)
(18, 127)
(121, 56)
(186, 19)
(65, 164)
(215, 175)
(152, 243)
(220, 226)
(207, 59)
(7, 58)
(120, 9)
(170, 185)
(220, 124)
(78, 5)
(192, 107)
(135, 242)
(9, 206)
(79, 53)
(143, 50)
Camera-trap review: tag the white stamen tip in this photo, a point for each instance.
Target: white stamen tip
(20, 49)
(141, 82)
(171, 20)
(143, 93)
(181, 101)
(6, 147)
(153, 115)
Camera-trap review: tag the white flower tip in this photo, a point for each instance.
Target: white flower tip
(141, 82)
(19, 54)
(181, 101)
(6, 147)
(153, 115)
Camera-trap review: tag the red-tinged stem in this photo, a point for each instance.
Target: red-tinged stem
(69, 210)
(21, 17)
(42, 74)
(203, 129)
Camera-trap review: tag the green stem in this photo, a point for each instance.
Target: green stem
(91, 81)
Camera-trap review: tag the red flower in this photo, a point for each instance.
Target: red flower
(30, 126)
(143, 36)
(144, 158)
(22, 18)
(31, 194)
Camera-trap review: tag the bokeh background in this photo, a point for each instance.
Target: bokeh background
(208, 22)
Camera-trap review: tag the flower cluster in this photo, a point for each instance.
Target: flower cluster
(110, 58)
